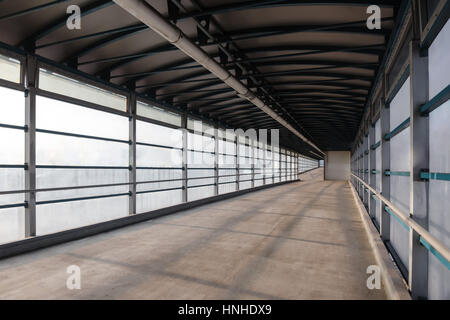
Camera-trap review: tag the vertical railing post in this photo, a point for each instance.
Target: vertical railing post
(264, 148)
(285, 165)
(292, 165)
(361, 173)
(385, 164)
(372, 166)
(279, 163)
(132, 151)
(273, 164)
(236, 143)
(252, 159)
(30, 80)
(184, 157)
(419, 160)
(366, 169)
(216, 161)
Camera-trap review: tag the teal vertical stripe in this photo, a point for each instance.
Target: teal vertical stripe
(435, 253)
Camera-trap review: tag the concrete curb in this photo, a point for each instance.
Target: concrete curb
(392, 280)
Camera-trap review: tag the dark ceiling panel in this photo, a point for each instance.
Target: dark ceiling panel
(313, 61)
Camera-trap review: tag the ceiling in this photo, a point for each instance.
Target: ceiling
(313, 62)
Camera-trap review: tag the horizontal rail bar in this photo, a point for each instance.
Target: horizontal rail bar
(397, 173)
(435, 176)
(83, 136)
(11, 126)
(227, 182)
(13, 205)
(82, 198)
(200, 151)
(396, 217)
(432, 240)
(375, 145)
(402, 126)
(201, 185)
(12, 166)
(435, 253)
(159, 168)
(114, 184)
(157, 146)
(160, 190)
(438, 100)
(49, 166)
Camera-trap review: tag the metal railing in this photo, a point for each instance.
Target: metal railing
(287, 173)
(426, 238)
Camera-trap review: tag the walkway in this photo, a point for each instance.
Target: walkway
(303, 240)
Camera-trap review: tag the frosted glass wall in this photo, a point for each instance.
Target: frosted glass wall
(399, 112)
(438, 215)
(56, 156)
(84, 150)
(377, 170)
(158, 158)
(12, 112)
(305, 163)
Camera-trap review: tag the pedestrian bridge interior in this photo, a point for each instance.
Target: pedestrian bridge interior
(224, 149)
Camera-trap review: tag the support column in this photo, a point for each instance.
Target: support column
(366, 169)
(31, 76)
(252, 159)
(264, 163)
(216, 161)
(372, 166)
(184, 157)
(385, 183)
(279, 163)
(236, 143)
(132, 152)
(419, 159)
(285, 165)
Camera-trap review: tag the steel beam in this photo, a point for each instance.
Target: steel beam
(372, 166)
(132, 176)
(216, 161)
(31, 80)
(419, 160)
(385, 182)
(184, 121)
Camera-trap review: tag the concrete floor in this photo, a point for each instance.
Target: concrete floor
(298, 241)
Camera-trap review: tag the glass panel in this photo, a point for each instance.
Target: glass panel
(159, 114)
(56, 217)
(12, 107)
(200, 126)
(400, 186)
(158, 157)
(400, 105)
(200, 193)
(201, 143)
(62, 150)
(12, 224)
(152, 201)
(9, 69)
(54, 82)
(12, 146)
(439, 62)
(439, 202)
(160, 135)
(67, 117)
